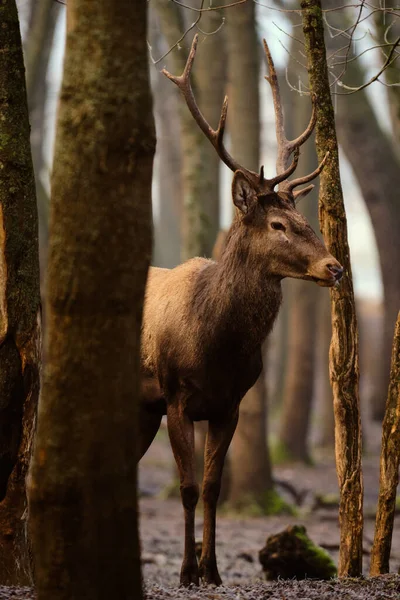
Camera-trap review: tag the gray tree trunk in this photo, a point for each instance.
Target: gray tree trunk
(250, 476)
(377, 170)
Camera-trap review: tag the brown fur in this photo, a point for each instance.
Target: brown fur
(203, 328)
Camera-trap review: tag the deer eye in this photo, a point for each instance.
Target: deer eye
(278, 225)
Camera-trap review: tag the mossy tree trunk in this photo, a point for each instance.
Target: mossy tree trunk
(19, 303)
(389, 471)
(83, 478)
(376, 166)
(250, 468)
(200, 165)
(344, 373)
(323, 390)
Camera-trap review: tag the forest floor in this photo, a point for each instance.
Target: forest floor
(241, 537)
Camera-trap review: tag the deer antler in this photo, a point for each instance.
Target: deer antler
(216, 135)
(286, 147)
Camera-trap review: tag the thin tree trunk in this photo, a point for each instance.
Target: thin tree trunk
(37, 56)
(83, 477)
(40, 26)
(377, 170)
(344, 373)
(388, 27)
(251, 477)
(302, 322)
(243, 51)
(167, 163)
(19, 304)
(200, 186)
(323, 392)
(389, 471)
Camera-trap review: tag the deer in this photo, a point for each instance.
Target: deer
(204, 322)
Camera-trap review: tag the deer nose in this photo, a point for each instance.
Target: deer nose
(335, 269)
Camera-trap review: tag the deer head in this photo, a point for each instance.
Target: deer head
(279, 233)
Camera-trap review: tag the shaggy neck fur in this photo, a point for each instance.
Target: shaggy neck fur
(237, 296)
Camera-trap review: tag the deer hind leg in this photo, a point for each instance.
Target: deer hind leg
(219, 437)
(181, 433)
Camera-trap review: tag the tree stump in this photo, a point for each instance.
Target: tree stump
(291, 553)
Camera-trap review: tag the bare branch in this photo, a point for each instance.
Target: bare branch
(390, 60)
(192, 26)
(210, 8)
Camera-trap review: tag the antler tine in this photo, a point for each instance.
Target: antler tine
(281, 177)
(301, 180)
(285, 147)
(302, 192)
(299, 141)
(284, 150)
(214, 135)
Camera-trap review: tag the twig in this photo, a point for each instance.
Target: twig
(390, 59)
(192, 26)
(210, 8)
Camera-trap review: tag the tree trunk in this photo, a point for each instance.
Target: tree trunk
(200, 187)
(37, 56)
(387, 26)
(389, 471)
(19, 303)
(251, 486)
(251, 478)
(376, 168)
(302, 321)
(323, 390)
(243, 52)
(344, 373)
(168, 159)
(83, 476)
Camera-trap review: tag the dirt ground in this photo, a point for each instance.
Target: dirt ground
(240, 538)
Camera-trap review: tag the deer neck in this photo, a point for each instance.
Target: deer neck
(243, 298)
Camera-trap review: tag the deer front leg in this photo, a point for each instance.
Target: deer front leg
(219, 437)
(181, 434)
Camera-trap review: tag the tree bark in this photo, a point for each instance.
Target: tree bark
(251, 486)
(250, 477)
(37, 53)
(344, 373)
(376, 168)
(200, 167)
(168, 159)
(83, 477)
(389, 469)
(302, 320)
(323, 392)
(387, 26)
(19, 303)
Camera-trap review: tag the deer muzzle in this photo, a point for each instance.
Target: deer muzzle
(326, 272)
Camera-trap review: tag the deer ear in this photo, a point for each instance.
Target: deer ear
(243, 193)
(302, 193)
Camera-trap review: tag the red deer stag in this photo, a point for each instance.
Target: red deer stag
(205, 321)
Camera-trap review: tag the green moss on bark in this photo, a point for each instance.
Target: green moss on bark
(344, 373)
(83, 479)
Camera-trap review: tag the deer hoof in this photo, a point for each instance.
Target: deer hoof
(189, 575)
(209, 574)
